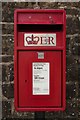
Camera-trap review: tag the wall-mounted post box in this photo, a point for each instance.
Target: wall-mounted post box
(39, 59)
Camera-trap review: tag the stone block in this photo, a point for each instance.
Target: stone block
(8, 90)
(8, 29)
(8, 45)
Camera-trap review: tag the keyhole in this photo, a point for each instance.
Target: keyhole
(25, 80)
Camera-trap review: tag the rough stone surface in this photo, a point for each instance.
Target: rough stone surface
(7, 72)
(8, 91)
(7, 44)
(6, 109)
(7, 29)
(73, 24)
(72, 111)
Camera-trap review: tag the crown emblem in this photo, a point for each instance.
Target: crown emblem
(32, 39)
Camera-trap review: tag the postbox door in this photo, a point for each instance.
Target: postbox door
(31, 90)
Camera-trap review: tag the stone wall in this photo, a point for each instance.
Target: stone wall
(72, 111)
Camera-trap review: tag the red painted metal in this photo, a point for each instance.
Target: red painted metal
(39, 21)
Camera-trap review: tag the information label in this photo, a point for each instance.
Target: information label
(40, 76)
(43, 39)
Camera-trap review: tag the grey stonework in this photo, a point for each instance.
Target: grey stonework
(72, 111)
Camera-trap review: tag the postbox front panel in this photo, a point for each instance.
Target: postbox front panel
(39, 79)
(39, 60)
(40, 39)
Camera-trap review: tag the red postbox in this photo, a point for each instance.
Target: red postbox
(40, 60)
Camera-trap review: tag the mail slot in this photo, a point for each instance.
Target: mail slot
(39, 60)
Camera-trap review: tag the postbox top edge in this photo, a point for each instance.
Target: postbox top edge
(40, 11)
